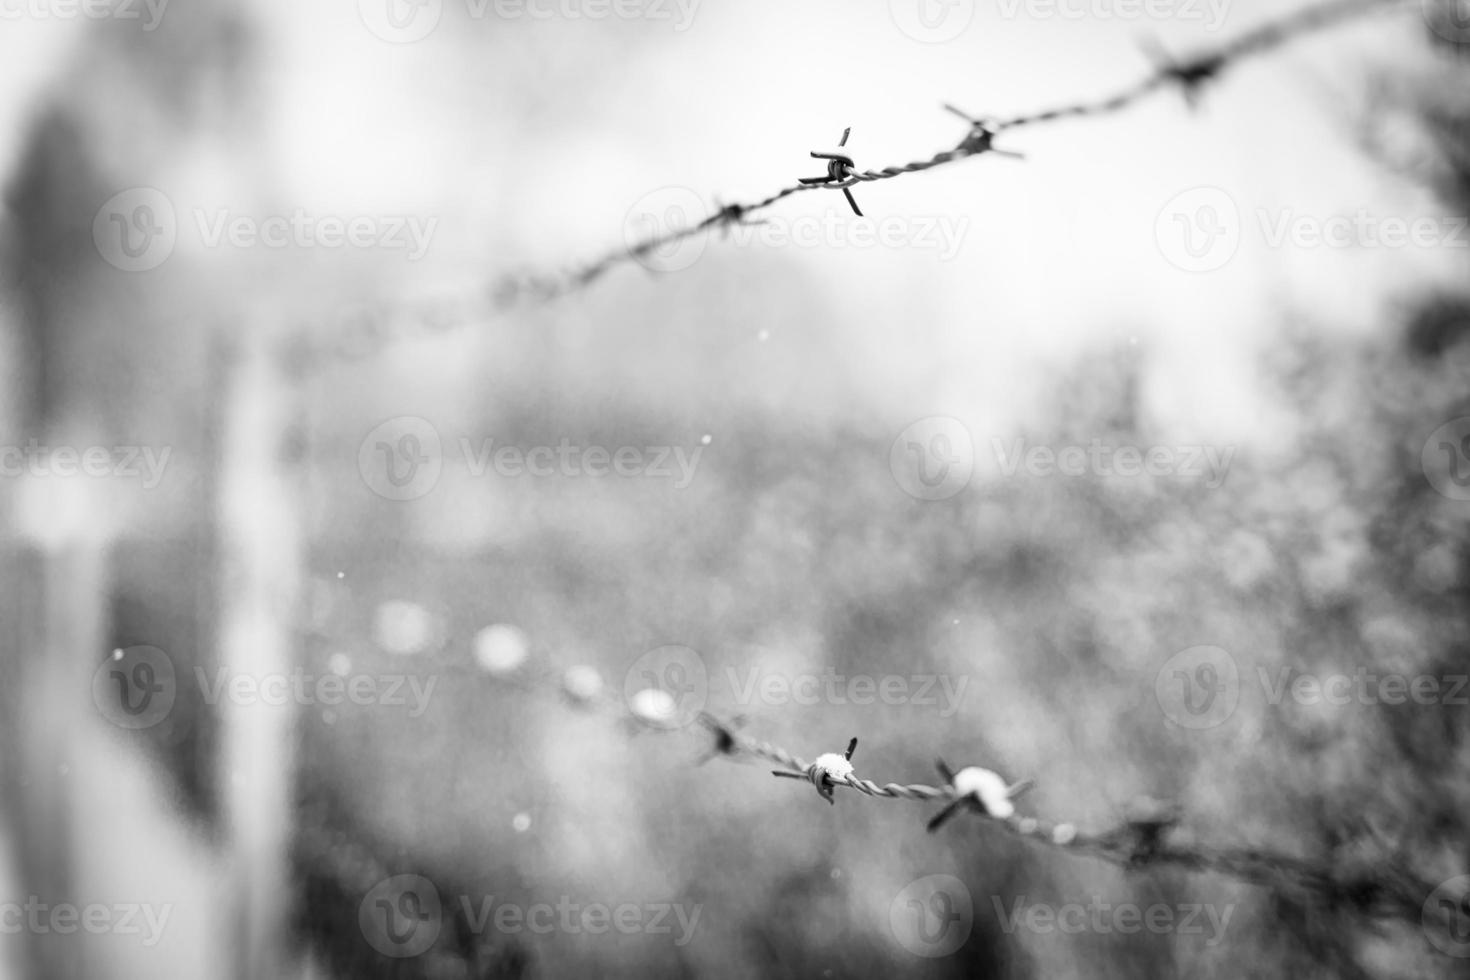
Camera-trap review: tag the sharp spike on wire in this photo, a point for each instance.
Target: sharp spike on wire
(981, 138)
(342, 343)
(839, 168)
(943, 815)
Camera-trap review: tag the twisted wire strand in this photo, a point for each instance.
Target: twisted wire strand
(1387, 890)
(1188, 75)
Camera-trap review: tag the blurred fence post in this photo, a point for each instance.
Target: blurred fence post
(259, 523)
(57, 591)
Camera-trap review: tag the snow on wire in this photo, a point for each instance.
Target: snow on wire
(1152, 834)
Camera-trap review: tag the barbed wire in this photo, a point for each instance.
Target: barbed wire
(370, 330)
(1151, 836)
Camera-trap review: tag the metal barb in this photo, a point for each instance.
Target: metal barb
(1191, 75)
(981, 138)
(1387, 890)
(839, 168)
(726, 742)
(341, 343)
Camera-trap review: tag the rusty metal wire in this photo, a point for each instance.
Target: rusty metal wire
(368, 331)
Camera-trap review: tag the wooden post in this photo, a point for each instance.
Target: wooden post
(259, 517)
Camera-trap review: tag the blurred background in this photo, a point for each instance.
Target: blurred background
(316, 659)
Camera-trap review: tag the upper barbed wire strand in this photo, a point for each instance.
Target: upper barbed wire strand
(512, 289)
